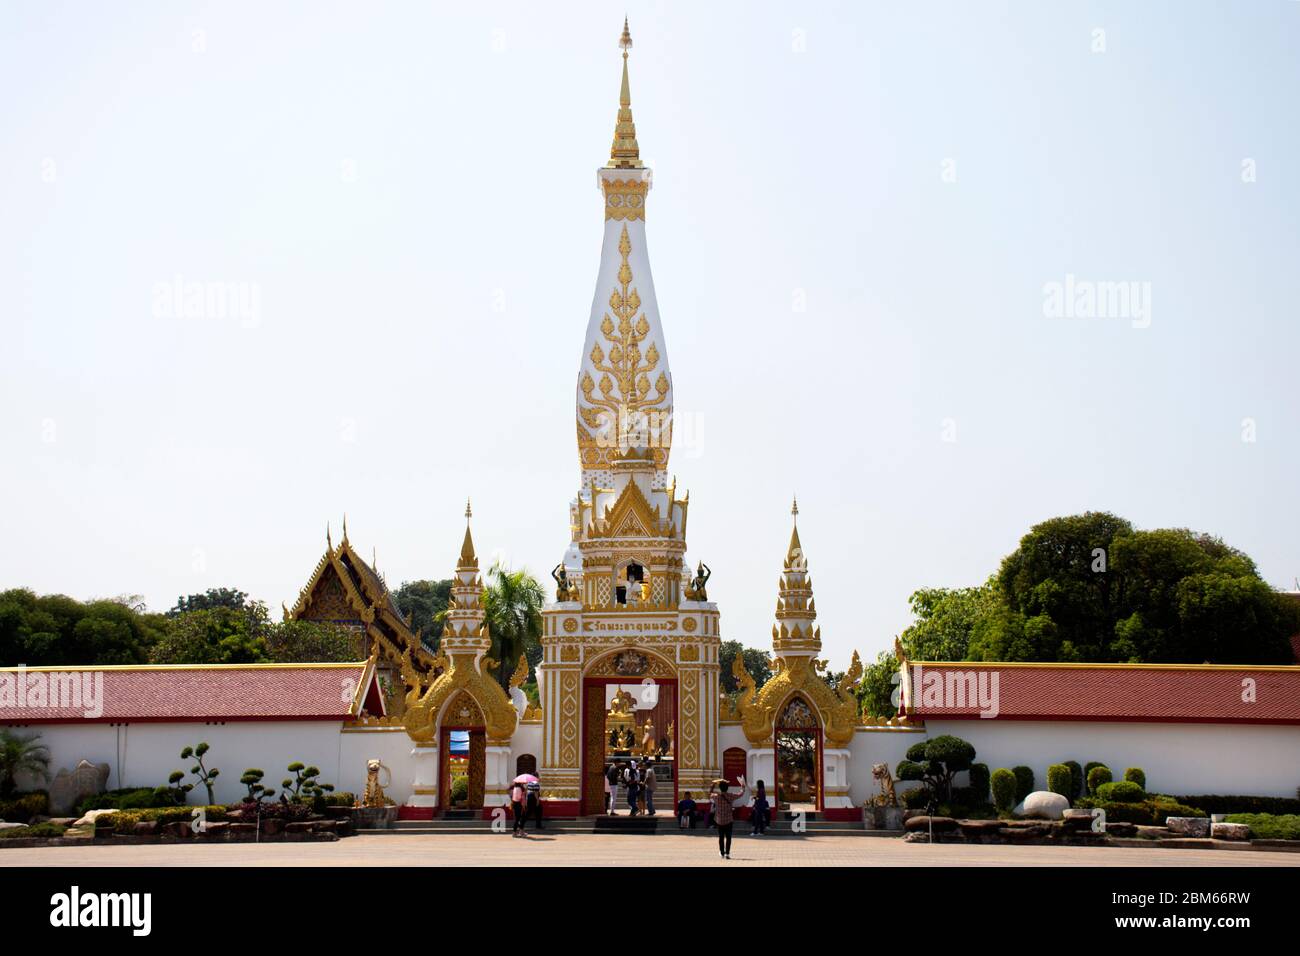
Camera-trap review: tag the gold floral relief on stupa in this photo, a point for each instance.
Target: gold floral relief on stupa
(623, 408)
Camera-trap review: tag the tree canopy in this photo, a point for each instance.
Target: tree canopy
(421, 602)
(1092, 588)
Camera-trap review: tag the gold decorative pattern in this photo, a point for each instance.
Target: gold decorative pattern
(625, 198)
(654, 666)
(570, 625)
(569, 685)
(624, 408)
(689, 625)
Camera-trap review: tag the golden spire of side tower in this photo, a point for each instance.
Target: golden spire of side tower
(625, 153)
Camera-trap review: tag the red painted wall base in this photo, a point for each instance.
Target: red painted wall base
(414, 813)
(843, 814)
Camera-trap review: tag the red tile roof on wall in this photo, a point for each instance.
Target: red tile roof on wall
(229, 692)
(1184, 693)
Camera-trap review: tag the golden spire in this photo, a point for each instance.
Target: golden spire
(796, 549)
(625, 153)
(468, 560)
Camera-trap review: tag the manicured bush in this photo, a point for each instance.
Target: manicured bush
(1135, 775)
(124, 821)
(1059, 780)
(935, 762)
(1153, 811)
(1121, 791)
(460, 789)
(1024, 782)
(979, 782)
(129, 798)
(916, 798)
(25, 806)
(1098, 775)
(35, 830)
(1004, 785)
(344, 798)
(1267, 826)
(1216, 803)
(1076, 779)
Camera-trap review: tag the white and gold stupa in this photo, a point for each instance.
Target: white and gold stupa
(630, 616)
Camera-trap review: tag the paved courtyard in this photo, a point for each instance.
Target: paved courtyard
(582, 849)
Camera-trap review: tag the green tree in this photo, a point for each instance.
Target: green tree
(231, 598)
(513, 602)
(21, 755)
(218, 635)
(421, 602)
(293, 642)
(55, 630)
(756, 662)
(935, 762)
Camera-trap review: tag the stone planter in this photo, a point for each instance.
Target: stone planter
(373, 818)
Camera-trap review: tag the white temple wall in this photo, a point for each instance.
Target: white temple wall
(144, 754)
(527, 740)
(870, 747)
(390, 745)
(1181, 759)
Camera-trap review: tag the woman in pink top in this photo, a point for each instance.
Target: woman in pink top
(518, 794)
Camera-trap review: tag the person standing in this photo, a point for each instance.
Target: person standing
(724, 815)
(534, 810)
(517, 797)
(650, 783)
(632, 779)
(612, 773)
(760, 811)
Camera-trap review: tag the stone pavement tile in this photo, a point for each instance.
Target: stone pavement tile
(580, 849)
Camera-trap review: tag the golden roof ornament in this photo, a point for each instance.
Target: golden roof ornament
(625, 153)
(468, 560)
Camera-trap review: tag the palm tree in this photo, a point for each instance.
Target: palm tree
(21, 755)
(513, 602)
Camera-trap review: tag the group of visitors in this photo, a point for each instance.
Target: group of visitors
(641, 782)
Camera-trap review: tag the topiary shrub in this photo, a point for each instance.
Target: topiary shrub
(935, 762)
(1003, 782)
(1060, 780)
(1076, 779)
(979, 782)
(1024, 782)
(1135, 775)
(1098, 775)
(1121, 791)
(460, 790)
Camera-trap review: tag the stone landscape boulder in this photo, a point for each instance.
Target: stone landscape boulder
(1077, 820)
(924, 824)
(1043, 805)
(1230, 831)
(1189, 826)
(70, 787)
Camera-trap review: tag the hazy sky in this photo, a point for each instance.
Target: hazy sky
(857, 210)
